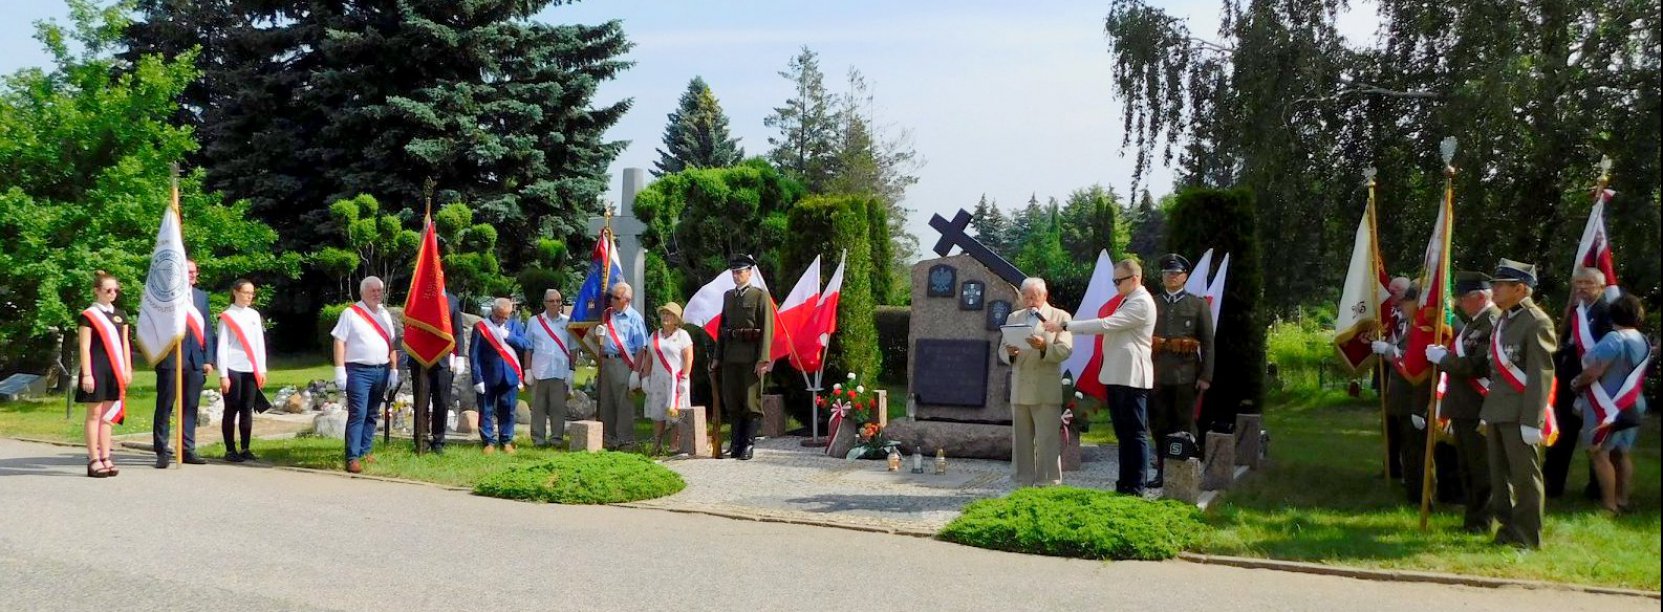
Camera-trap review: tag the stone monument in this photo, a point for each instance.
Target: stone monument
(959, 387)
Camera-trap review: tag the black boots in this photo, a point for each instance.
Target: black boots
(742, 437)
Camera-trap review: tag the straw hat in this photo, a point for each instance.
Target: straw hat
(673, 308)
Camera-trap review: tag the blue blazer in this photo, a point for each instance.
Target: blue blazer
(487, 366)
(196, 355)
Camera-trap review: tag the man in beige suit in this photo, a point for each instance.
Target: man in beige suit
(1127, 370)
(1036, 388)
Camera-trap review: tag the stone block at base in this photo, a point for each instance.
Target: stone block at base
(1182, 481)
(1218, 470)
(584, 436)
(691, 427)
(468, 422)
(968, 440)
(774, 419)
(1071, 453)
(522, 412)
(1248, 429)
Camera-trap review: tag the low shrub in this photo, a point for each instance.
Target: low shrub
(1075, 522)
(583, 478)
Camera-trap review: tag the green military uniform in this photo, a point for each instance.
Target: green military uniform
(1183, 353)
(742, 343)
(1406, 399)
(1527, 341)
(1467, 368)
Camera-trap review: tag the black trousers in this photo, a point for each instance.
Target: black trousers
(1556, 460)
(1129, 413)
(239, 410)
(439, 378)
(1394, 445)
(161, 431)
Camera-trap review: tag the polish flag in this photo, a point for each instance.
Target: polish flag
(1594, 251)
(795, 312)
(704, 309)
(1085, 364)
(1215, 291)
(1197, 283)
(815, 335)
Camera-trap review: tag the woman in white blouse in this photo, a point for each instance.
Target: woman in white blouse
(669, 359)
(242, 368)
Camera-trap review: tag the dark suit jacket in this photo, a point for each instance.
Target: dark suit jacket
(196, 354)
(487, 366)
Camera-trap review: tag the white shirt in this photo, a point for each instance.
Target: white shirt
(548, 361)
(363, 344)
(230, 354)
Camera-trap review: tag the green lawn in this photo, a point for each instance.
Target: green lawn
(1325, 500)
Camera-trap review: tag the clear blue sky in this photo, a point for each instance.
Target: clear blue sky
(1003, 98)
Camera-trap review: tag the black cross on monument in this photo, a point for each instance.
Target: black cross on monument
(952, 234)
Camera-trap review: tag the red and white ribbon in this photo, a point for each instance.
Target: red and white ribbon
(508, 356)
(839, 410)
(116, 349)
(1478, 383)
(196, 323)
(1511, 374)
(1606, 405)
(1067, 419)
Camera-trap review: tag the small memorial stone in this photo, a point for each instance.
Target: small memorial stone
(691, 429)
(1248, 440)
(584, 436)
(1219, 468)
(1183, 481)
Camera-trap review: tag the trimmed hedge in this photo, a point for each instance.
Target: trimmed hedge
(584, 478)
(1075, 522)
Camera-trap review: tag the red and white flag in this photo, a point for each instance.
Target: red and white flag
(1197, 283)
(1365, 299)
(817, 332)
(796, 311)
(1085, 364)
(1594, 251)
(1215, 291)
(704, 309)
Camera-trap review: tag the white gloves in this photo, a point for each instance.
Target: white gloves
(1530, 434)
(1436, 354)
(392, 377)
(1419, 421)
(340, 378)
(1382, 347)
(450, 362)
(479, 387)
(502, 332)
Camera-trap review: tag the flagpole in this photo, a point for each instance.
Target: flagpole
(1380, 320)
(1601, 185)
(1435, 404)
(179, 348)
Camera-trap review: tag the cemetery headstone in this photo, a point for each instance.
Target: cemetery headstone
(1219, 467)
(1183, 480)
(584, 436)
(1248, 440)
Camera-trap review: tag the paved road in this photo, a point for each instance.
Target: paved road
(250, 538)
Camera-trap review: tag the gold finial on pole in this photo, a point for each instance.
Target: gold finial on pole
(427, 194)
(1604, 174)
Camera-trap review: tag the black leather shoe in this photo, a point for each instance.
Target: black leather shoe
(161, 462)
(249, 456)
(233, 457)
(195, 460)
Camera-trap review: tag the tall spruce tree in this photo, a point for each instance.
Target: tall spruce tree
(871, 161)
(1148, 229)
(806, 148)
(1092, 220)
(697, 135)
(992, 227)
(303, 103)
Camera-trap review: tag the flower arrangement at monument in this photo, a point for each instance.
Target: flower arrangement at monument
(854, 412)
(1077, 408)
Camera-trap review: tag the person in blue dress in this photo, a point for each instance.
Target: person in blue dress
(1611, 419)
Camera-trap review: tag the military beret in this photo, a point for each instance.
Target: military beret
(741, 261)
(1509, 271)
(1468, 282)
(1173, 262)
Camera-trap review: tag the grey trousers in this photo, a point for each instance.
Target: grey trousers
(548, 411)
(1036, 448)
(614, 408)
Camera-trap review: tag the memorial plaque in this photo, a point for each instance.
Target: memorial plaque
(971, 295)
(997, 312)
(951, 372)
(943, 278)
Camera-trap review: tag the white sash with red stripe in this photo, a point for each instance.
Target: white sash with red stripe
(1511, 374)
(1581, 331)
(623, 350)
(484, 330)
(675, 374)
(116, 349)
(197, 324)
(1478, 383)
(1606, 405)
(254, 355)
(379, 330)
(542, 319)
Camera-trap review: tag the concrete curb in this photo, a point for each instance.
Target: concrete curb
(764, 518)
(1407, 575)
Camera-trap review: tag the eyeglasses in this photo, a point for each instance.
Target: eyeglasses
(617, 297)
(554, 301)
(111, 289)
(1121, 279)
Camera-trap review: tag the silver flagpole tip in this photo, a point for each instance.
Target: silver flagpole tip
(1447, 148)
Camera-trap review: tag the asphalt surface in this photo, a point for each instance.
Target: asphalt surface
(222, 537)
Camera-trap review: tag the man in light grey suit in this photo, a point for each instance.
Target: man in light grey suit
(1036, 388)
(1128, 371)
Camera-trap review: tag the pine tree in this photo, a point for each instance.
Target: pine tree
(992, 227)
(1092, 220)
(697, 135)
(1148, 230)
(807, 145)
(1026, 224)
(871, 162)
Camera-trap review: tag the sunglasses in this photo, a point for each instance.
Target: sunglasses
(1122, 279)
(111, 289)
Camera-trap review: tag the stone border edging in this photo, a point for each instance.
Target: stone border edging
(1406, 575)
(764, 518)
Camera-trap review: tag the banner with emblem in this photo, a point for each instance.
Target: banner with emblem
(593, 297)
(166, 301)
(1364, 297)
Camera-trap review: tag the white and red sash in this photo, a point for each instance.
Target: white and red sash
(1582, 332)
(542, 319)
(623, 350)
(248, 348)
(1606, 405)
(484, 330)
(1514, 376)
(675, 375)
(379, 330)
(116, 349)
(197, 324)
(1478, 383)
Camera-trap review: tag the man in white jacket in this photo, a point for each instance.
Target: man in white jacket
(1128, 371)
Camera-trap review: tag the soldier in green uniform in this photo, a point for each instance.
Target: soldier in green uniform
(742, 347)
(1521, 371)
(1406, 399)
(1183, 356)
(1468, 384)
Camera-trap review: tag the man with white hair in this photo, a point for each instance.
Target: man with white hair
(1588, 293)
(1036, 388)
(623, 346)
(364, 355)
(494, 363)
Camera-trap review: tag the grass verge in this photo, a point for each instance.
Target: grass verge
(583, 478)
(1075, 522)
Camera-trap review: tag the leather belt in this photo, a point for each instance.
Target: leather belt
(1183, 346)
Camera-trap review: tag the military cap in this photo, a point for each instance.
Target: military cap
(741, 261)
(1173, 262)
(1509, 271)
(1468, 282)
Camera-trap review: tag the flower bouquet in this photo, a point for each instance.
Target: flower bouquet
(853, 407)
